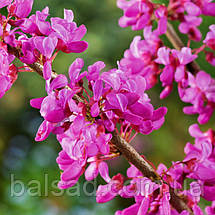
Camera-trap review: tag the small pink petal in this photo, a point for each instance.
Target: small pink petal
(104, 194)
(104, 172)
(71, 172)
(59, 82)
(91, 172)
(44, 131)
(144, 206)
(97, 89)
(95, 110)
(76, 47)
(68, 15)
(36, 103)
(47, 70)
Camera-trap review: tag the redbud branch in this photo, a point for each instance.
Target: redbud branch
(134, 157)
(173, 37)
(122, 145)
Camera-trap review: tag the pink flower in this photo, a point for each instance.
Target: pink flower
(21, 8)
(8, 73)
(72, 170)
(94, 70)
(175, 62)
(107, 192)
(130, 103)
(199, 91)
(40, 19)
(95, 168)
(189, 26)
(139, 59)
(210, 57)
(75, 75)
(27, 47)
(37, 24)
(161, 15)
(46, 45)
(210, 37)
(136, 13)
(44, 130)
(200, 161)
(69, 35)
(192, 9)
(150, 198)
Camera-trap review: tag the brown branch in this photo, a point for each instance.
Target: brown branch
(134, 157)
(173, 37)
(124, 147)
(177, 202)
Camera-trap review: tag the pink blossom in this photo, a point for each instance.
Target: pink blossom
(72, 170)
(136, 13)
(40, 19)
(210, 37)
(189, 26)
(200, 89)
(161, 15)
(8, 72)
(107, 192)
(139, 58)
(132, 104)
(210, 57)
(46, 45)
(175, 62)
(21, 8)
(69, 35)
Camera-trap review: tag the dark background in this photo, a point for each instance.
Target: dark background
(24, 159)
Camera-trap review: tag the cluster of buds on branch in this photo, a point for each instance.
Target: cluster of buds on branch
(95, 114)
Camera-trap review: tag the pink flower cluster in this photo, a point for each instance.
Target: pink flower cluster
(142, 13)
(150, 198)
(139, 14)
(37, 38)
(83, 128)
(198, 165)
(150, 59)
(200, 160)
(199, 91)
(87, 108)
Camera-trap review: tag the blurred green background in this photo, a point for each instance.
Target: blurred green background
(21, 158)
